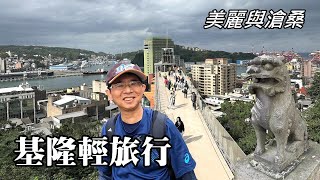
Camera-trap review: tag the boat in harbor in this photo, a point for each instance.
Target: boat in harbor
(99, 71)
(93, 73)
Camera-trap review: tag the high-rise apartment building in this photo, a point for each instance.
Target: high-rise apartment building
(215, 76)
(3, 65)
(308, 69)
(153, 52)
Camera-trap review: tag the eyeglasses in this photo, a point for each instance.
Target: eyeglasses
(122, 86)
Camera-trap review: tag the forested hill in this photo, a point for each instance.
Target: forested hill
(30, 51)
(196, 56)
(136, 56)
(190, 55)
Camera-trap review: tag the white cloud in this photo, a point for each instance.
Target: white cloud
(114, 26)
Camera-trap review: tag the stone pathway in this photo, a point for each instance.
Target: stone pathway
(210, 162)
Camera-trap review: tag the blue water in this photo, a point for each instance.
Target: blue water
(240, 70)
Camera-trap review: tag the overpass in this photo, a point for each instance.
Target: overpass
(213, 149)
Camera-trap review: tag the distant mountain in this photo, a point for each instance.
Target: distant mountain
(189, 55)
(30, 51)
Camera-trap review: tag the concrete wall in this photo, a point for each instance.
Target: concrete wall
(99, 86)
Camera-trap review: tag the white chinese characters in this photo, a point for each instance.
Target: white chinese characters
(242, 18)
(30, 153)
(91, 151)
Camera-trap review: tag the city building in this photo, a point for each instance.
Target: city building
(293, 66)
(46, 125)
(188, 65)
(167, 59)
(63, 104)
(242, 62)
(214, 77)
(304, 104)
(18, 65)
(179, 62)
(58, 105)
(167, 55)
(72, 117)
(153, 52)
(308, 69)
(82, 91)
(296, 83)
(99, 86)
(17, 102)
(3, 66)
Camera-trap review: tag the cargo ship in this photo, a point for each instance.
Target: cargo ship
(95, 72)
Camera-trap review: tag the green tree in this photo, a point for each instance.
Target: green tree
(234, 122)
(312, 116)
(3, 55)
(189, 55)
(314, 90)
(83, 127)
(29, 51)
(8, 170)
(138, 59)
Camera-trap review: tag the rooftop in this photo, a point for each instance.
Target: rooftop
(220, 96)
(16, 121)
(15, 89)
(39, 130)
(111, 107)
(61, 65)
(70, 115)
(237, 95)
(26, 121)
(305, 102)
(68, 98)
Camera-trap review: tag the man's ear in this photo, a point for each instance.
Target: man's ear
(108, 93)
(144, 87)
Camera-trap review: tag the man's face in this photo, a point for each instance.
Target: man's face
(127, 98)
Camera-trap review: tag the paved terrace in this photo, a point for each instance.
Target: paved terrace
(210, 162)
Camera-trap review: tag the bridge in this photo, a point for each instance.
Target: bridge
(213, 149)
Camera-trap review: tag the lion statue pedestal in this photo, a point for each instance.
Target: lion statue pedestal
(306, 167)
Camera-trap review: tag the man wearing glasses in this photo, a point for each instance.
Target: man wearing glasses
(125, 89)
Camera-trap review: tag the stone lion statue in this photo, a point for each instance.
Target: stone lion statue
(275, 109)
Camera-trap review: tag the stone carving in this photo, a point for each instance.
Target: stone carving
(275, 112)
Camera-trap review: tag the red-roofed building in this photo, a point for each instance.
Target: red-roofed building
(303, 91)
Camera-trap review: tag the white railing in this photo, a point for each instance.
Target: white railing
(227, 146)
(157, 105)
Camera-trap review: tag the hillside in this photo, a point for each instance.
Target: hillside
(29, 51)
(189, 55)
(136, 56)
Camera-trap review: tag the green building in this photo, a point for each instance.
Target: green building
(153, 52)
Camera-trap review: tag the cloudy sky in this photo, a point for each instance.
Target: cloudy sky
(115, 26)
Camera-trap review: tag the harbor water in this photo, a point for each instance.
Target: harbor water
(59, 83)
